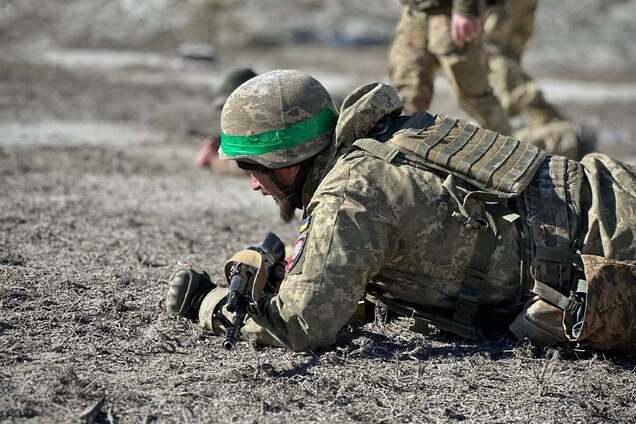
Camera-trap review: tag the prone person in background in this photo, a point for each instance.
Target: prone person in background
(208, 156)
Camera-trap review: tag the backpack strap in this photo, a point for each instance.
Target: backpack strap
(380, 150)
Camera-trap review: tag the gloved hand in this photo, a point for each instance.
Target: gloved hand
(273, 261)
(187, 290)
(275, 276)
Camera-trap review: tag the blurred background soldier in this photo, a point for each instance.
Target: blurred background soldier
(508, 26)
(444, 33)
(208, 156)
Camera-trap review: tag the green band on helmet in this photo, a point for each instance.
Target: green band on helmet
(286, 138)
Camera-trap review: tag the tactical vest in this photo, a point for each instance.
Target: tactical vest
(497, 170)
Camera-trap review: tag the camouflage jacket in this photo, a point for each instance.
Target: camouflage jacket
(369, 220)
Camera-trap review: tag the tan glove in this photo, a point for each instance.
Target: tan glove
(187, 290)
(213, 302)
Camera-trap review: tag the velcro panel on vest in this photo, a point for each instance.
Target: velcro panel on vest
(418, 122)
(456, 145)
(482, 158)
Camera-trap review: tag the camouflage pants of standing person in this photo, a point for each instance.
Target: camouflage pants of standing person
(508, 25)
(422, 44)
(561, 138)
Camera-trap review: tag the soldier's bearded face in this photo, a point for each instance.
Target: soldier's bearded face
(263, 183)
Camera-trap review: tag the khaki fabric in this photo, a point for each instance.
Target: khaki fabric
(423, 43)
(610, 308)
(498, 164)
(610, 208)
(371, 219)
(411, 65)
(593, 212)
(464, 7)
(508, 26)
(211, 302)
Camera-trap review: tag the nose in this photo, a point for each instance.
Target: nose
(254, 183)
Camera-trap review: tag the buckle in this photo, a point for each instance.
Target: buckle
(470, 222)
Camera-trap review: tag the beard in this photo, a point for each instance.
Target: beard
(286, 210)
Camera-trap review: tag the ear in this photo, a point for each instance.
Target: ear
(288, 174)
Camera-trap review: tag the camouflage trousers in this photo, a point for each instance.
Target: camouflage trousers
(584, 209)
(508, 25)
(561, 138)
(422, 44)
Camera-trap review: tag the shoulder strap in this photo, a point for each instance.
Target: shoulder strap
(378, 147)
(418, 122)
(380, 150)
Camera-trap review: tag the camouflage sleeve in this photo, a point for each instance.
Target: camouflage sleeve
(344, 245)
(469, 8)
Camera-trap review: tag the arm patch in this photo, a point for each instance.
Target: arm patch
(299, 244)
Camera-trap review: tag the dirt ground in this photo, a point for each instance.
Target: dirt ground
(98, 200)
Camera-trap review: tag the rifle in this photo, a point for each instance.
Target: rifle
(249, 273)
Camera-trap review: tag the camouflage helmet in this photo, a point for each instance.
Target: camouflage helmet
(277, 119)
(230, 81)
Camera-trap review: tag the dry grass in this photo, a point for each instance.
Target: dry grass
(88, 235)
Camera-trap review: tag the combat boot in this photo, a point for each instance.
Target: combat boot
(187, 290)
(540, 322)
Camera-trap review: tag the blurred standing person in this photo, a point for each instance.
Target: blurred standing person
(446, 34)
(508, 26)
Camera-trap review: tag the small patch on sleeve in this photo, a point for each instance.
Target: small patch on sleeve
(304, 225)
(299, 244)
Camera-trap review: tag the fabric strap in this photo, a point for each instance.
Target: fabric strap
(550, 295)
(468, 299)
(285, 138)
(380, 150)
